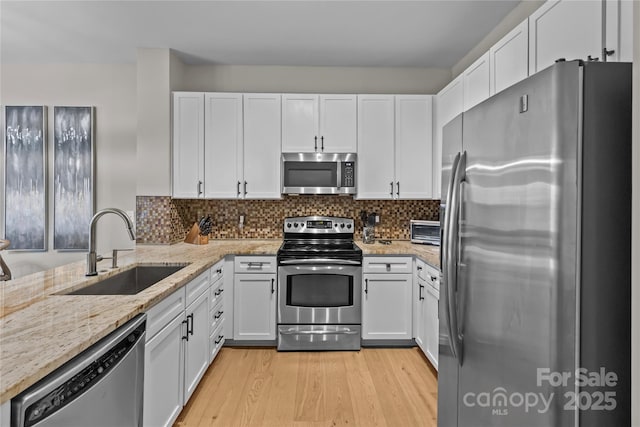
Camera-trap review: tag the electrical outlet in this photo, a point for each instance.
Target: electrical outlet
(377, 219)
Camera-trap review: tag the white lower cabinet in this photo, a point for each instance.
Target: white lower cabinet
(254, 298)
(163, 375)
(5, 413)
(425, 310)
(176, 351)
(386, 303)
(196, 360)
(431, 295)
(419, 322)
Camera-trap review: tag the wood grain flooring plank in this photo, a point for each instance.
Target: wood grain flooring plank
(264, 388)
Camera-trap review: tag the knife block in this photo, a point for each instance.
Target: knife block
(194, 237)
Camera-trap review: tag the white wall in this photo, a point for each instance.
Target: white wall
(244, 78)
(111, 89)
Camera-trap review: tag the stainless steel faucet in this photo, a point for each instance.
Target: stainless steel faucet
(92, 257)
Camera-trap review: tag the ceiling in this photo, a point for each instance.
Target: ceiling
(296, 32)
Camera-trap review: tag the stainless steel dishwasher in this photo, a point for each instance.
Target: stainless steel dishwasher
(102, 386)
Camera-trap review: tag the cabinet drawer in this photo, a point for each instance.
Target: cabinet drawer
(387, 265)
(216, 341)
(161, 314)
(255, 264)
(216, 316)
(197, 286)
(421, 269)
(216, 292)
(432, 276)
(217, 271)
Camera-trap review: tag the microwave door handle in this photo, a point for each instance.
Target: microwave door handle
(339, 169)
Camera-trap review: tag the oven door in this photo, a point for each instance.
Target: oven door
(319, 294)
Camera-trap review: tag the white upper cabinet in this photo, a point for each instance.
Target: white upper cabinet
(476, 82)
(300, 123)
(262, 148)
(376, 121)
(413, 147)
(619, 30)
(509, 58)
(449, 103)
(338, 118)
(223, 145)
(564, 29)
(188, 145)
(318, 123)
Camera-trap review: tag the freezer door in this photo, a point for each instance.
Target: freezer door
(447, 363)
(516, 286)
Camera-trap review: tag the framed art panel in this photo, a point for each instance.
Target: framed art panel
(73, 177)
(25, 166)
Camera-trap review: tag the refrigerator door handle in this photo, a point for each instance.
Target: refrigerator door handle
(446, 257)
(452, 254)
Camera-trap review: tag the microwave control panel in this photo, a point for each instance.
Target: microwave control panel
(348, 174)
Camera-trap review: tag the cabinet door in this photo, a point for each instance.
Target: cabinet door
(564, 29)
(449, 103)
(430, 323)
(510, 58)
(376, 123)
(413, 147)
(188, 145)
(163, 375)
(254, 308)
(476, 82)
(338, 128)
(261, 146)
(619, 30)
(300, 123)
(197, 347)
(222, 145)
(419, 324)
(386, 306)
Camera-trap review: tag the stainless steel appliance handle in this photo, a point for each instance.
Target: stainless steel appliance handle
(320, 261)
(452, 254)
(339, 332)
(445, 244)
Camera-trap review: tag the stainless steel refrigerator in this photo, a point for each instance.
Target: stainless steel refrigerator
(535, 312)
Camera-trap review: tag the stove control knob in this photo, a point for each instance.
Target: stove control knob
(295, 224)
(348, 225)
(342, 225)
(289, 225)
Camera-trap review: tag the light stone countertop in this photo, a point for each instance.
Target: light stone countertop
(40, 329)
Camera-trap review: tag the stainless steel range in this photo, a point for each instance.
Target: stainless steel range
(319, 282)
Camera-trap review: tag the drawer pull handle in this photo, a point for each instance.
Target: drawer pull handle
(219, 271)
(220, 338)
(273, 289)
(366, 286)
(218, 292)
(186, 336)
(218, 314)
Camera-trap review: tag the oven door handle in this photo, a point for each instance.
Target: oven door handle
(321, 261)
(319, 332)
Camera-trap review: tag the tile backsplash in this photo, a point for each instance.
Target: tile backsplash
(163, 220)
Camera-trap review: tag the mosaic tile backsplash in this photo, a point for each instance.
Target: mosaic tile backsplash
(162, 220)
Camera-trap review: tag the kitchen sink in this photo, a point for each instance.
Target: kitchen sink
(129, 282)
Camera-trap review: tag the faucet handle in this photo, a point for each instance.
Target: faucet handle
(114, 257)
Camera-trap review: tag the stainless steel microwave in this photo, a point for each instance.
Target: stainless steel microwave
(425, 232)
(318, 173)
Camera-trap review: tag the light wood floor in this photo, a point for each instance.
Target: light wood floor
(261, 387)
